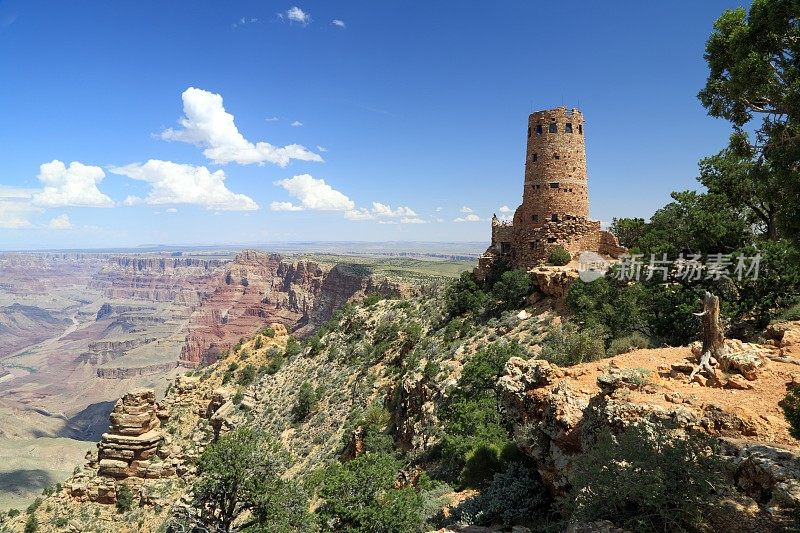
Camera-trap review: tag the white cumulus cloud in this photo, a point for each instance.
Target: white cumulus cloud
(315, 194)
(284, 206)
(505, 209)
(297, 124)
(383, 210)
(295, 14)
(338, 23)
(469, 218)
(60, 222)
(174, 183)
(466, 209)
(74, 186)
(358, 214)
(206, 124)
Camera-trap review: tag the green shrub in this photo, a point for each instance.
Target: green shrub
(515, 496)
(360, 496)
(566, 346)
(13, 513)
(791, 410)
(124, 499)
(259, 343)
(481, 464)
(238, 397)
(306, 402)
(268, 332)
(475, 434)
(371, 299)
(247, 375)
(238, 473)
(31, 524)
(559, 256)
(645, 480)
(511, 290)
(293, 347)
(628, 343)
(33, 507)
(792, 313)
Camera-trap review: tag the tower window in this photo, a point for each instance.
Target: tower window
(554, 217)
(553, 128)
(580, 129)
(554, 185)
(568, 127)
(535, 218)
(556, 156)
(505, 247)
(535, 157)
(538, 129)
(551, 239)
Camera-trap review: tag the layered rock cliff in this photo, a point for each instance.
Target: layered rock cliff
(259, 287)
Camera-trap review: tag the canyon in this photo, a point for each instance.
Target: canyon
(79, 329)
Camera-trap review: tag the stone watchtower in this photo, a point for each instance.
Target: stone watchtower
(555, 198)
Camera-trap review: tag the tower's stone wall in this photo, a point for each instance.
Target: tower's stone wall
(555, 198)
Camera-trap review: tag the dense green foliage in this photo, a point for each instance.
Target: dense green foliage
(503, 290)
(514, 497)
(360, 496)
(754, 72)
(124, 499)
(476, 438)
(240, 472)
(566, 345)
(306, 402)
(645, 480)
(559, 256)
(791, 409)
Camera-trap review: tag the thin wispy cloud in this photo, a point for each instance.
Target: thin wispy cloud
(272, 119)
(466, 209)
(338, 23)
(208, 125)
(505, 209)
(244, 21)
(297, 124)
(469, 218)
(321, 149)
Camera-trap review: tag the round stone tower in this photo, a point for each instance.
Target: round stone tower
(555, 169)
(555, 199)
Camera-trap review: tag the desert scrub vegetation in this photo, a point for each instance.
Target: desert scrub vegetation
(515, 496)
(566, 345)
(646, 479)
(476, 439)
(559, 256)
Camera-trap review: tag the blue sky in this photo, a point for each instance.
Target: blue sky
(383, 126)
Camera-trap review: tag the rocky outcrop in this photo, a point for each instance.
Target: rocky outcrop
(559, 412)
(134, 449)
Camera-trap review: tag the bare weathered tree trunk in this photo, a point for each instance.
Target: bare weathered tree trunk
(713, 338)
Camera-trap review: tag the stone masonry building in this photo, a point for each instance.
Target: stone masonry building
(555, 198)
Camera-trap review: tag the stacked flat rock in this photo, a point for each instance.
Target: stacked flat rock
(133, 438)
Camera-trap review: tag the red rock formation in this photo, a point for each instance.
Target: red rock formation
(259, 288)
